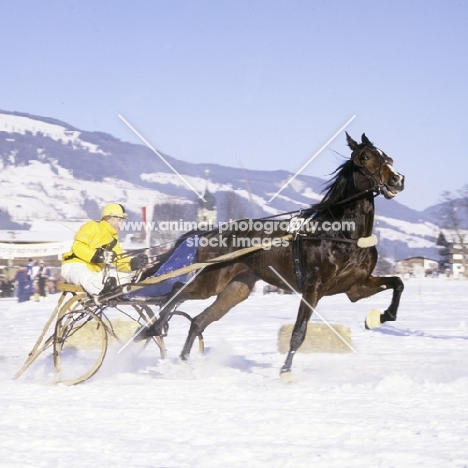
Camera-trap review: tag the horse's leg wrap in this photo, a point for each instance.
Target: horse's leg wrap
(373, 319)
(287, 377)
(374, 285)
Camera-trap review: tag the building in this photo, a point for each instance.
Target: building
(417, 266)
(453, 250)
(45, 240)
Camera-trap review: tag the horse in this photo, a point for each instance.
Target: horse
(312, 260)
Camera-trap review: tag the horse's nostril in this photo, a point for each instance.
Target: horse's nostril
(395, 180)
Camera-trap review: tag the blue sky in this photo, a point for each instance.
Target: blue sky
(254, 84)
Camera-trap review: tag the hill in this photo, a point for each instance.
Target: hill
(52, 170)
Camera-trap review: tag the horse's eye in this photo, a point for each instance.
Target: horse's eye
(365, 158)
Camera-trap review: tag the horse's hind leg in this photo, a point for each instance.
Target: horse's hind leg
(235, 292)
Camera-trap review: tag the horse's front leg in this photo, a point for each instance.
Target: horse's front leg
(308, 302)
(374, 285)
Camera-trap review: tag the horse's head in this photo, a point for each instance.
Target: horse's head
(374, 168)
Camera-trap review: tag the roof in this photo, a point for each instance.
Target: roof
(417, 257)
(42, 231)
(210, 201)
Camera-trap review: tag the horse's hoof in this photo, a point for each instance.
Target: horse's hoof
(182, 361)
(373, 319)
(287, 377)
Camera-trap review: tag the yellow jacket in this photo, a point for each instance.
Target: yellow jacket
(91, 236)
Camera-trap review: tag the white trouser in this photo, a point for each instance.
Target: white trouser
(91, 281)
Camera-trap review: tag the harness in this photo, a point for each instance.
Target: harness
(363, 242)
(298, 235)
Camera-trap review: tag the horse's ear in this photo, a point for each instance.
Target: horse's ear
(365, 140)
(351, 143)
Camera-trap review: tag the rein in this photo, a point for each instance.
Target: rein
(375, 190)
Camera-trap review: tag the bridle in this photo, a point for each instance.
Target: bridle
(376, 187)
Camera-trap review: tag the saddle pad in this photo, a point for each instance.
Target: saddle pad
(184, 255)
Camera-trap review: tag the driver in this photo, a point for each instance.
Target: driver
(96, 245)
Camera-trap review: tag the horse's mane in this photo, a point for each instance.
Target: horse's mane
(335, 188)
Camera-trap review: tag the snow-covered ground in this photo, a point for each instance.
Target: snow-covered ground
(400, 401)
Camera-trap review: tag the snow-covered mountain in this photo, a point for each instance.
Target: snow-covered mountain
(52, 170)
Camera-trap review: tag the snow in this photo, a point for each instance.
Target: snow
(422, 228)
(31, 200)
(20, 124)
(400, 401)
(411, 240)
(415, 235)
(199, 184)
(309, 193)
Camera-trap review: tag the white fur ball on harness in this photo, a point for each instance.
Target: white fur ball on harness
(365, 242)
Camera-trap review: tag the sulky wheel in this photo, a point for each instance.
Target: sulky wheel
(80, 343)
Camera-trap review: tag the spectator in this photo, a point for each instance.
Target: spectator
(29, 267)
(23, 284)
(42, 276)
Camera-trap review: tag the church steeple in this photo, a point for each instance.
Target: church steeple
(207, 212)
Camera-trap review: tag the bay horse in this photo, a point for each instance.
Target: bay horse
(315, 262)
